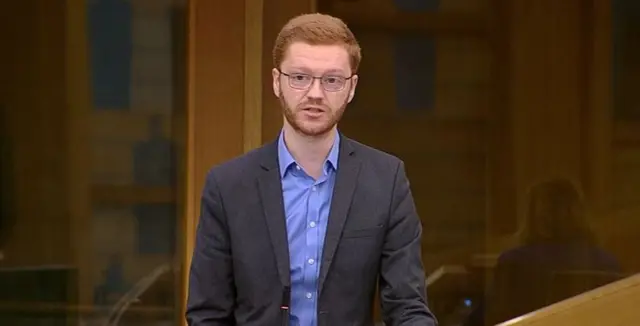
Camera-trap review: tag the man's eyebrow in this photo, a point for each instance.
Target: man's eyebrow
(335, 71)
(300, 69)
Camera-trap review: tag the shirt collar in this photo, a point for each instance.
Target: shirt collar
(285, 159)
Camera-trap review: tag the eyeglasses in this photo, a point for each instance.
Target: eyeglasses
(330, 83)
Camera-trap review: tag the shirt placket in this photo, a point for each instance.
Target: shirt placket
(312, 243)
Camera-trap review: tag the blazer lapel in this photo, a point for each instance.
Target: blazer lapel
(270, 190)
(346, 180)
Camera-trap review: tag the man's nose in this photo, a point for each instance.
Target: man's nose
(315, 90)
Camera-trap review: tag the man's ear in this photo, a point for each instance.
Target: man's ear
(352, 91)
(275, 73)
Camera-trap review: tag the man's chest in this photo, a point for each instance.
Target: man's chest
(307, 203)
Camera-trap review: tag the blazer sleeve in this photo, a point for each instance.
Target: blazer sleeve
(211, 294)
(402, 277)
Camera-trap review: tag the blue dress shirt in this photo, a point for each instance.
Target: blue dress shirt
(306, 206)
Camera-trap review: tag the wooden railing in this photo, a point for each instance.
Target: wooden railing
(612, 304)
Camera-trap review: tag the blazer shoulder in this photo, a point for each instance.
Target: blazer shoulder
(375, 156)
(239, 168)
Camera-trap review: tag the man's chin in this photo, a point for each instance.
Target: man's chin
(312, 129)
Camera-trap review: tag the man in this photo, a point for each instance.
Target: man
(302, 230)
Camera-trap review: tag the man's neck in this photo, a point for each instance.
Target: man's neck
(309, 151)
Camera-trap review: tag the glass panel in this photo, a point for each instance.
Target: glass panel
(451, 83)
(626, 31)
(391, 6)
(436, 125)
(91, 139)
(428, 85)
(625, 149)
(626, 73)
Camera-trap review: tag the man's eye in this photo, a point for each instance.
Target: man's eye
(299, 77)
(333, 80)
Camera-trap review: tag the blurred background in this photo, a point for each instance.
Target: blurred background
(518, 122)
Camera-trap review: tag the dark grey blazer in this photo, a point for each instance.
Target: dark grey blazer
(240, 266)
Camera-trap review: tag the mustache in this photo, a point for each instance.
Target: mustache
(312, 105)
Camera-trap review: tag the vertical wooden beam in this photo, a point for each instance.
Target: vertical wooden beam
(35, 101)
(253, 74)
(501, 206)
(78, 101)
(215, 100)
(44, 98)
(555, 70)
(546, 91)
(190, 206)
(598, 117)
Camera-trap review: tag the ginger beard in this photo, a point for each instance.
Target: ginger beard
(316, 127)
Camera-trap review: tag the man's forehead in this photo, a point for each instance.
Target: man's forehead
(329, 57)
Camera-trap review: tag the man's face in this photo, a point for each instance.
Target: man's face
(313, 106)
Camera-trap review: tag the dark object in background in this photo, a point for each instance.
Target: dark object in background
(154, 159)
(111, 46)
(7, 212)
(155, 166)
(39, 295)
(417, 5)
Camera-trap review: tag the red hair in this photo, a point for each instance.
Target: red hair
(317, 29)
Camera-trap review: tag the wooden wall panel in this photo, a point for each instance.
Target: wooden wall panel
(547, 90)
(625, 169)
(444, 141)
(453, 17)
(253, 73)
(216, 83)
(501, 203)
(45, 102)
(598, 124)
(612, 304)
(35, 99)
(78, 127)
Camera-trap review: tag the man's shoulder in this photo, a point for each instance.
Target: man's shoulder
(374, 156)
(241, 167)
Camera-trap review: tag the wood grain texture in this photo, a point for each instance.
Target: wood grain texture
(215, 101)
(613, 304)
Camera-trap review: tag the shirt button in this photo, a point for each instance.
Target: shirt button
(311, 261)
(312, 224)
(309, 295)
(297, 167)
(314, 188)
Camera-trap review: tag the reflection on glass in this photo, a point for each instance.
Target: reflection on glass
(88, 234)
(437, 87)
(626, 69)
(558, 257)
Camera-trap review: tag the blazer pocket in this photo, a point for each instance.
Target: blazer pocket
(362, 233)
